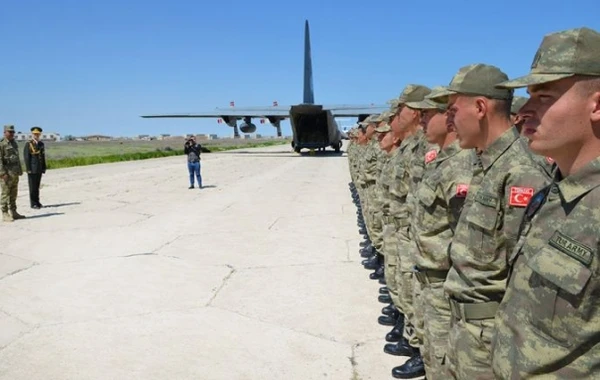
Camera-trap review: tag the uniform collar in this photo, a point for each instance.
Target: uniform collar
(579, 183)
(498, 147)
(449, 151)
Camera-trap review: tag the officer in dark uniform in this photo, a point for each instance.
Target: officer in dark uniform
(34, 155)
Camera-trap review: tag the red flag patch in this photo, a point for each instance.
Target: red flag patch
(549, 160)
(461, 190)
(520, 196)
(430, 156)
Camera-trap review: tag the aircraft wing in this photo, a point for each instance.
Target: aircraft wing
(279, 111)
(356, 110)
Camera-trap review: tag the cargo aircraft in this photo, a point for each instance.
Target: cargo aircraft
(313, 125)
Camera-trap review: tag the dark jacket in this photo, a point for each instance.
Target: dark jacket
(193, 151)
(34, 156)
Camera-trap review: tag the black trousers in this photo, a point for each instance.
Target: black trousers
(34, 188)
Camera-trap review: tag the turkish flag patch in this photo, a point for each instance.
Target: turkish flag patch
(520, 196)
(430, 156)
(461, 190)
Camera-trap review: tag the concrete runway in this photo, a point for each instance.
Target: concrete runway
(127, 274)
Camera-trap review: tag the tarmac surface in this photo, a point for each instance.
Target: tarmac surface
(128, 274)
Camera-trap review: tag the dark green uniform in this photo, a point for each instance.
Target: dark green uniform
(34, 155)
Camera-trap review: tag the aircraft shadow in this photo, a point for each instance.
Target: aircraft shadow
(62, 204)
(45, 215)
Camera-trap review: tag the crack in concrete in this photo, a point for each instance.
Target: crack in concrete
(140, 254)
(18, 271)
(169, 242)
(232, 270)
(354, 364)
(272, 224)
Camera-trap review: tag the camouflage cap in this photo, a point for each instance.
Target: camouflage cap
(413, 93)
(369, 120)
(439, 94)
(478, 80)
(385, 116)
(517, 103)
(9, 127)
(562, 55)
(428, 103)
(383, 128)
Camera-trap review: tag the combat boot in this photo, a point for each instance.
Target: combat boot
(16, 215)
(402, 348)
(6, 217)
(412, 368)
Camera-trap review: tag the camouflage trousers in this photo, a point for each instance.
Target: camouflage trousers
(390, 253)
(376, 233)
(436, 324)
(10, 189)
(469, 349)
(405, 281)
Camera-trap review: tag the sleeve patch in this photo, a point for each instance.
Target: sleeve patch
(520, 196)
(461, 190)
(430, 156)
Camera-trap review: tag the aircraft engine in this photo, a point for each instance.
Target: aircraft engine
(247, 126)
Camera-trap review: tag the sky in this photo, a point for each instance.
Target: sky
(81, 68)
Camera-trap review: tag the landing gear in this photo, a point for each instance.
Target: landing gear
(338, 147)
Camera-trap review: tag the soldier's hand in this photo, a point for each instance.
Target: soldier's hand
(5, 177)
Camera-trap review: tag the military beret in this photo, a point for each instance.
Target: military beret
(36, 130)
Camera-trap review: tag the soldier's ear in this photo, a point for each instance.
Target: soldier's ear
(595, 99)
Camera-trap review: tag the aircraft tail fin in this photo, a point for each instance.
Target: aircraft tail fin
(309, 96)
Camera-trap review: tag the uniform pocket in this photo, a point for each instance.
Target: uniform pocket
(483, 220)
(557, 283)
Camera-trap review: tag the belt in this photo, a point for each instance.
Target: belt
(430, 276)
(470, 311)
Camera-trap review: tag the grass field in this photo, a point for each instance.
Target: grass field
(64, 154)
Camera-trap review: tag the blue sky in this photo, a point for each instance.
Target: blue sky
(81, 68)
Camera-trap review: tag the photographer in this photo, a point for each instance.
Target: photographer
(193, 150)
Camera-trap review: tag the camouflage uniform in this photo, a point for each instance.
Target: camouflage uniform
(505, 176)
(438, 202)
(548, 323)
(10, 165)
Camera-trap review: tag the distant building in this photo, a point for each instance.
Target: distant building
(49, 136)
(213, 137)
(97, 138)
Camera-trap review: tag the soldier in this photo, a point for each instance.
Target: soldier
(374, 159)
(34, 155)
(439, 198)
(548, 323)
(515, 118)
(10, 170)
(505, 177)
(389, 144)
(405, 126)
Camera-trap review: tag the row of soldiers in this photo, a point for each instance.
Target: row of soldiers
(480, 214)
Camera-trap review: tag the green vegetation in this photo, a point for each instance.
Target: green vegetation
(66, 154)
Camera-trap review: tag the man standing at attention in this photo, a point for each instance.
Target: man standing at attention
(34, 155)
(548, 324)
(10, 170)
(505, 176)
